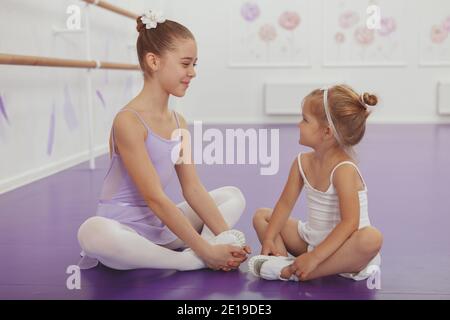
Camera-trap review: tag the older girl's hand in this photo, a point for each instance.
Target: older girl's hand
(224, 257)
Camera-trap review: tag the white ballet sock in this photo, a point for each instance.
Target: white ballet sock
(87, 262)
(233, 237)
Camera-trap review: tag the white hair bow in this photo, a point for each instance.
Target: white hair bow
(152, 18)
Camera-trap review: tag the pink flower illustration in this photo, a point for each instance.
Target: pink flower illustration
(438, 34)
(250, 11)
(289, 20)
(339, 37)
(348, 19)
(446, 24)
(388, 25)
(267, 33)
(364, 36)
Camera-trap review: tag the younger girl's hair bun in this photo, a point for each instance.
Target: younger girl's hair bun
(369, 99)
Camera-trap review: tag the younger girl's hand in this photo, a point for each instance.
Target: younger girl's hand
(304, 265)
(269, 248)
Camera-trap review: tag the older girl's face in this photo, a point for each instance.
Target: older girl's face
(178, 67)
(311, 132)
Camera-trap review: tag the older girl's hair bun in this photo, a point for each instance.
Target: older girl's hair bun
(140, 25)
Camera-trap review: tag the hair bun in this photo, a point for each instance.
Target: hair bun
(369, 99)
(140, 25)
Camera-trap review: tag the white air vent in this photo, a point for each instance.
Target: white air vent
(443, 98)
(286, 98)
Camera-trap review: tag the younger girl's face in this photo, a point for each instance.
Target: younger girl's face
(310, 129)
(178, 67)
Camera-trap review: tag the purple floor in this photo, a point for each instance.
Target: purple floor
(406, 167)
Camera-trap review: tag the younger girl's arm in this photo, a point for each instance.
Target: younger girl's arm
(285, 203)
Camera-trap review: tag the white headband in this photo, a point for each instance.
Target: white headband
(327, 112)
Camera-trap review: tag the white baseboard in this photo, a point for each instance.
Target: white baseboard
(47, 170)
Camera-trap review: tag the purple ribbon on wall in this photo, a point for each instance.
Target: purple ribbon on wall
(51, 131)
(100, 96)
(3, 109)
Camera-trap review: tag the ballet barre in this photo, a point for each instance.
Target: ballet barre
(15, 59)
(110, 7)
(36, 61)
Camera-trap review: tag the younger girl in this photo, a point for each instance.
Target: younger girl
(137, 225)
(337, 238)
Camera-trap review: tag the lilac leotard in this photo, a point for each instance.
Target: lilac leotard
(120, 199)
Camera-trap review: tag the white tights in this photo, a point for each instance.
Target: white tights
(120, 247)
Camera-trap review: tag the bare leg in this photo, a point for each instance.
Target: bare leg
(352, 256)
(288, 240)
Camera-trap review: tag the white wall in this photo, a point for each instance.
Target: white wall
(219, 94)
(222, 95)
